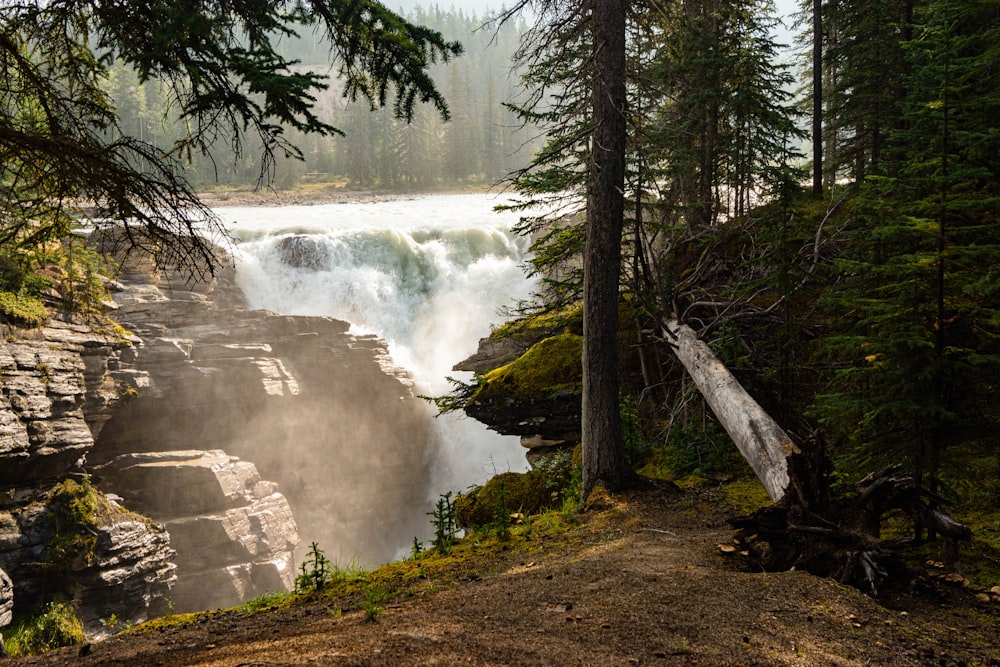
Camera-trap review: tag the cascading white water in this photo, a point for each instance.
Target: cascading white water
(429, 274)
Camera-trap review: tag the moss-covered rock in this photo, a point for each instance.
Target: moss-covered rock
(549, 368)
(502, 496)
(538, 393)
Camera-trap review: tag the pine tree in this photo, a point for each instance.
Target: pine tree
(921, 339)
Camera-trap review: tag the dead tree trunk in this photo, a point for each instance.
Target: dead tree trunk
(763, 443)
(805, 528)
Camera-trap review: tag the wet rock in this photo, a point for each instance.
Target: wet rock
(300, 251)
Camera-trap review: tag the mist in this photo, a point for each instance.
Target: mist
(429, 275)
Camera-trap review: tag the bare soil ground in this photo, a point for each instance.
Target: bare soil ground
(640, 582)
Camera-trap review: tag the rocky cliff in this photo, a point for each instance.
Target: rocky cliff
(320, 412)
(232, 431)
(529, 386)
(60, 384)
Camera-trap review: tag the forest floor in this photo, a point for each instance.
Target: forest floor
(639, 579)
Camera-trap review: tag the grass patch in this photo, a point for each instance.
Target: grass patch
(266, 601)
(54, 627)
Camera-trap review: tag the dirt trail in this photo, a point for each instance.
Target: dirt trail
(647, 587)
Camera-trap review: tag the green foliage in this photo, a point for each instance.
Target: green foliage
(55, 626)
(691, 448)
(443, 520)
(264, 601)
(636, 447)
(83, 273)
(563, 478)
(74, 510)
(315, 571)
(374, 601)
(490, 506)
(457, 399)
(916, 352)
(19, 308)
(417, 548)
(116, 624)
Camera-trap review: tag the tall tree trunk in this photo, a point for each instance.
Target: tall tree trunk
(817, 119)
(604, 458)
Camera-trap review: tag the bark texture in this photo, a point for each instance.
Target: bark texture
(603, 449)
(763, 443)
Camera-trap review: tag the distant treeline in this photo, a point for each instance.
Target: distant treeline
(481, 143)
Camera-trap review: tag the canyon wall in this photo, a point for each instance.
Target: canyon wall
(209, 444)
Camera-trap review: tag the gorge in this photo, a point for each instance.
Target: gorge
(245, 422)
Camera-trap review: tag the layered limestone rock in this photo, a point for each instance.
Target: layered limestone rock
(60, 384)
(6, 600)
(117, 564)
(534, 394)
(318, 410)
(234, 532)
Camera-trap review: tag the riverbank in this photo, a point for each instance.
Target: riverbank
(318, 193)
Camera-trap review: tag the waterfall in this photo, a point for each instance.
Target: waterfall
(428, 274)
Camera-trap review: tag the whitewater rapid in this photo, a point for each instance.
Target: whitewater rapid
(428, 274)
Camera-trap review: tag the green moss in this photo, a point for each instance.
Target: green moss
(76, 510)
(21, 309)
(175, 621)
(569, 319)
(512, 493)
(549, 368)
(746, 495)
(55, 626)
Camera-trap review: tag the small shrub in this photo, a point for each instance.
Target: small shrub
(315, 571)
(57, 625)
(374, 603)
(445, 526)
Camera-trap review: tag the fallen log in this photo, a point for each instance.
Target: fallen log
(764, 445)
(805, 528)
